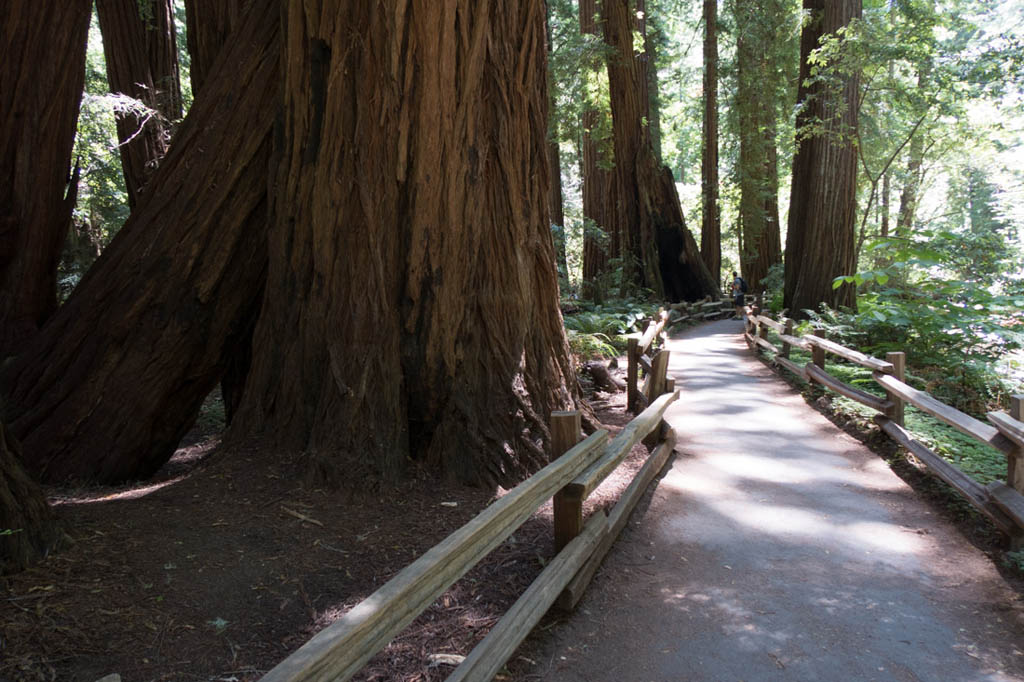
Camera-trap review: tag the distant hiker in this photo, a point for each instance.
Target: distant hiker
(739, 287)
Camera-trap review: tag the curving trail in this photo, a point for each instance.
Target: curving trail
(777, 547)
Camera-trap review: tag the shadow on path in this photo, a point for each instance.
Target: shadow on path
(777, 547)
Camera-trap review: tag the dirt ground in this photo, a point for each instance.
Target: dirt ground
(226, 562)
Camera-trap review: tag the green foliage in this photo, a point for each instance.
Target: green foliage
(599, 330)
(1015, 560)
(590, 346)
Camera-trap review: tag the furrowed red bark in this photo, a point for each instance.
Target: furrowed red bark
(822, 214)
(142, 63)
(659, 254)
(208, 24)
(42, 70)
(411, 303)
(118, 374)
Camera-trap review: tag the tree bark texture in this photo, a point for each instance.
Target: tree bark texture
(597, 178)
(411, 304)
(208, 25)
(711, 222)
(653, 238)
(822, 215)
(42, 71)
(142, 62)
(758, 163)
(911, 186)
(28, 527)
(118, 374)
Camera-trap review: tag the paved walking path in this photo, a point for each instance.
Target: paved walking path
(778, 548)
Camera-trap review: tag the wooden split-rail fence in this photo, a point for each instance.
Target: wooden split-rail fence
(344, 647)
(1002, 502)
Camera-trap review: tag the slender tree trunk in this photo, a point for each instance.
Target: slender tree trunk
(710, 227)
(658, 252)
(118, 374)
(886, 194)
(597, 179)
(28, 526)
(42, 70)
(411, 303)
(209, 24)
(142, 63)
(555, 198)
(758, 166)
(822, 215)
(911, 186)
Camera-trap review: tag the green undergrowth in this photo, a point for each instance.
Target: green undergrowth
(602, 330)
(981, 462)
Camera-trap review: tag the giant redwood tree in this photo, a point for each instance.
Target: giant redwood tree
(42, 70)
(658, 251)
(822, 215)
(411, 305)
(117, 375)
(140, 47)
(208, 24)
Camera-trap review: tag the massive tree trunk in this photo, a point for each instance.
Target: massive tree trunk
(42, 70)
(208, 24)
(822, 214)
(653, 239)
(411, 303)
(710, 226)
(597, 178)
(28, 526)
(118, 374)
(142, 62)
(758, 165)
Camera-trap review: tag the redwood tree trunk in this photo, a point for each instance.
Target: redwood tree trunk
(42, 70)
(911, 186)
(118, 374)
(758, 167)
(653, 238)
(28, 526)
(208, 24)
(411, 303)
(597, 178)
(822, 214)
(710, 227)
(142, 63)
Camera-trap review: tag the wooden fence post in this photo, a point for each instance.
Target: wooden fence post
(817, 352)
(568, 509)
(899, 365)
(632, 359)
(1015, 460)
(788, 331)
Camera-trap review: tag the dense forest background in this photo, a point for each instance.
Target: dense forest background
(859, 163)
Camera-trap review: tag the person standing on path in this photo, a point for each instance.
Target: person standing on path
(737, 295)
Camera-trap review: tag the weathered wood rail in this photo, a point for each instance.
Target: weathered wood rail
(344, 647)
(1002, 502)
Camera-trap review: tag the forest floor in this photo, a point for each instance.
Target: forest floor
(226, 562)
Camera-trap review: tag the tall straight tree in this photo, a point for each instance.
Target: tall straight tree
(140, 47)
(659, 253)
(42, 70)
(411, 305)
(555, 197)
(596, 161)
(757, 80)
(710, 225)
(118, 374)
(822, 215)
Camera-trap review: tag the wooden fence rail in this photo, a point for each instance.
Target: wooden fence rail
(1002, 502)
(341, 649)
